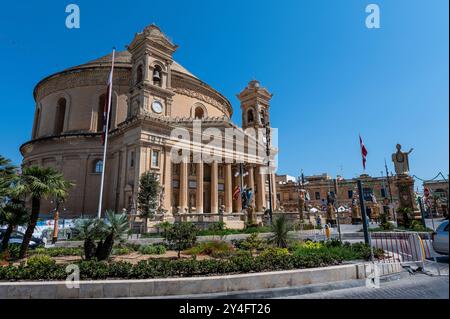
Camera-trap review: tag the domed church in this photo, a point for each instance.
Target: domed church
(152, 94)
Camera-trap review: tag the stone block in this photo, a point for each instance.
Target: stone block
(112, 289)
(92, 289)
(142, 288)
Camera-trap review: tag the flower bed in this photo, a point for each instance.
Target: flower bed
(306, 255)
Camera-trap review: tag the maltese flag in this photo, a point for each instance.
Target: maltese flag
(363, 152)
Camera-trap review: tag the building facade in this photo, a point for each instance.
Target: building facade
(377, 192)
(437, 199)
(152, 97)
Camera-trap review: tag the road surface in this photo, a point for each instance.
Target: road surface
(418, 286)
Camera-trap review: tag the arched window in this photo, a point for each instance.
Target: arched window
(263, 117)
(199, 113)
(100, 109)
(98, 166)
(157, 76)
(250, 116)
(139, 74)
(59, 116)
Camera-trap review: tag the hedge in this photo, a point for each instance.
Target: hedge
(47, 269)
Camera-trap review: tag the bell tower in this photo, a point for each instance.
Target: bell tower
(255, 103)
(150, 87)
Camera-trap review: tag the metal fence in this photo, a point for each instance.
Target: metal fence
(403, 247)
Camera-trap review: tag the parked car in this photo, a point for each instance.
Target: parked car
(17, 238)
(440, 238)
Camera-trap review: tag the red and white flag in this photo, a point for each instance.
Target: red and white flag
(106, 106)
(363, 152)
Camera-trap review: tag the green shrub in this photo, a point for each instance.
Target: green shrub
(336, 249)
(274, 251)
(152, 250)
(40, 261)
(58, 251)
(181, 236)
(43, 268)
(260, 229)
(121, 251)
(14, 250)
(252, 243)
(386, 226)
(417, 226)
(210, 248)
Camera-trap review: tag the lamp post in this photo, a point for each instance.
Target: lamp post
(337, 207)
(267, 127)
(363, 213)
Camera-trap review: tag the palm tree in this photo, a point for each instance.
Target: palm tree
(7, 175)
(12, 214)
(280, 228)
(114, 228)
(88, 230)
(38, 183)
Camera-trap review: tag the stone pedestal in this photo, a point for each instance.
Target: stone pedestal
(356, 216)
(301, 207)
(331, 215)
(406, 198)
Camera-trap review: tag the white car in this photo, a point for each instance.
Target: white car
(440, 238)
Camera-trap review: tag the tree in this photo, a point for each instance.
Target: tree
(280, 228)
(147, 199)
(88, 230)
(38, 183)
(181, 236)
(12, 214)
(113, 229)
(8, 173)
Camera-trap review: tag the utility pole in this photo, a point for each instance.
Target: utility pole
(337, 207)
(363, 213)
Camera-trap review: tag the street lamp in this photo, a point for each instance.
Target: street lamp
(267, 127)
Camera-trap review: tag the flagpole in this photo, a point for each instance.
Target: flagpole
(106, 134)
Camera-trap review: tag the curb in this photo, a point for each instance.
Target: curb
(280, 293)
(250, 285)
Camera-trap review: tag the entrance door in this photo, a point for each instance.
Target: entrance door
(206, 198)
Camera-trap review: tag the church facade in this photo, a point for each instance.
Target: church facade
(153, 96)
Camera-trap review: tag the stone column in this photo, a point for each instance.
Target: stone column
(183, 186)
(274, 191)
(167, 181)
(251, 184)
(199, 197)
(214, 189)
(228, 189)
(261, 196)
(238, 201)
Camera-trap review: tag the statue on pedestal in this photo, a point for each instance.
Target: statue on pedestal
(401, 161)
(356, 215)
(405, 185)
(331, 211)
(301, 203)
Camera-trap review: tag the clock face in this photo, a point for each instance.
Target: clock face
(157, 107)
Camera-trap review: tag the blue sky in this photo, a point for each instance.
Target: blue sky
(331, 77)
